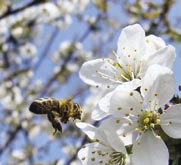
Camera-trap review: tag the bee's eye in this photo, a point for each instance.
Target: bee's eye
(76, 106)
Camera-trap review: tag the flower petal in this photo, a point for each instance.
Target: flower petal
(158, 86)
(150, 151)
(98, 114)
(91, 154)
(99, 72)
(123, 128)
(153, 44)
(171, 121)
(103, 108)
(92, 132)
(125, 101)
(131, 44)
(164, 57)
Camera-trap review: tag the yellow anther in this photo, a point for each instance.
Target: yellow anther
(130, 123)
(131, 94)
(146, 120)
(158, 137)
(145, 127)
(119, 108)
(152, 125)
(158, 121)
(124, 134)
(118, 120)
(146, 89)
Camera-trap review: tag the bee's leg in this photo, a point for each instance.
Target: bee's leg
(55, 122)
(64, 113)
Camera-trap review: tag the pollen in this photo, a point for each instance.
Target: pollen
(83, 158)
(146, 89)
(145, 127)
(118, 121)
(158, 137)
(141, 102)
(124, 134)
(130, 123)
(138, 142)
(93, 159)
(119, 108)
(158, 121)
(131, 109)
(131, 94)
(146, 121)
(156, 94)
(152, 125)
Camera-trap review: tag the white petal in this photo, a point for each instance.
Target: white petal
(164, 57)
(122, 127)
(99, 72)
(102, 110)
(125, 101)
(89, 154)
(173, 116)
(115, 142)
(153, 44)
(98, 114)
(131, 42)
(150, 151)
(92, 132)
(158, 86)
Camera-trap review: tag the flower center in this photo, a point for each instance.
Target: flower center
(148, 120)
(128, 72)
(123, 74)
(117, 158)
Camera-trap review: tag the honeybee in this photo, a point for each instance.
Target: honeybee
(56, 109)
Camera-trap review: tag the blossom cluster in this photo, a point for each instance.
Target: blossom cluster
(133, 115)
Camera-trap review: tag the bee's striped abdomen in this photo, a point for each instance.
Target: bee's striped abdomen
(44, 105)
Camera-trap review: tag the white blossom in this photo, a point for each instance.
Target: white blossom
(135, 53)
(142, 116)
(106, 146)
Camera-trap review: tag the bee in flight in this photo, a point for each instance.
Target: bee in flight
(56, 109)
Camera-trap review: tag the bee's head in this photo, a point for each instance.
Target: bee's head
(77, 111)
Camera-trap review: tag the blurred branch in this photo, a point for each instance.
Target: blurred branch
(16, 73)
(47, 49)
(12, 136)
(84, 140)
(68, 58)
(166, 6)
(11, 12)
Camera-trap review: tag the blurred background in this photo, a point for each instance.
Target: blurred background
(43, 44)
